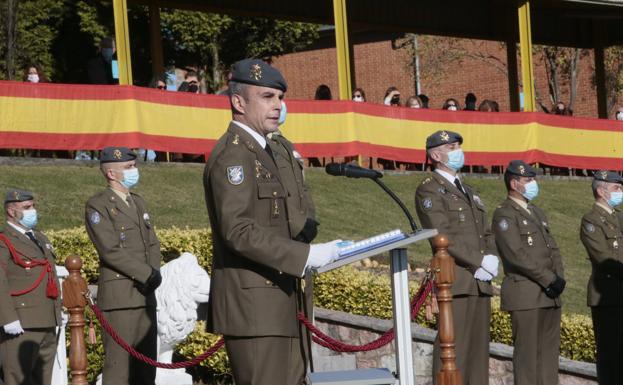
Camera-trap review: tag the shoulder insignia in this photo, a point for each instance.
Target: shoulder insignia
(503, 225)
(525, 222)
(427, 203)
(236, 139)
(442, 190)
(95, 218)
(589, 227)
(235, 175)
(426, 180)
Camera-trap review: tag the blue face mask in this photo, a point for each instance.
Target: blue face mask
(531, 190)
(29, 218)
(456, 159)
(616, 197)
(107, 54)
(130, 177)
(282, 114)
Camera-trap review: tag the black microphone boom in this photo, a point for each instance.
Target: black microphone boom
(352, 171)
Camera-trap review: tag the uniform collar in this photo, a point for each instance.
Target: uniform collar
(254, 134)
(606, 208)
(17, 228)
(521, 203)
(122, 195)
(446, 175)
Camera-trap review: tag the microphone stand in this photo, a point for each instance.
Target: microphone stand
(397, 200)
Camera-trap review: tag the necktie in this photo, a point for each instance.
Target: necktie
(458, 185)
(31, 236)
(269, 151)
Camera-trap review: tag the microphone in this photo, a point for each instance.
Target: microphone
(351, 171)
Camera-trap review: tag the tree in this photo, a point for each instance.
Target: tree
(561, 65)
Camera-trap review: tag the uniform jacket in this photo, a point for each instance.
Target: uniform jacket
(298, 199)
(127, 246)
(529, 254)
(256, 263)
(34, 309)
(602, 236)
(440, 205)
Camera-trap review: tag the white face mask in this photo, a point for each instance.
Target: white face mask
(33, 78)
(357, 98)
(452, 108)
(619, 115)
(415, 106)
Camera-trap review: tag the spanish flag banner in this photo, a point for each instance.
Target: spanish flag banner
(88, 117)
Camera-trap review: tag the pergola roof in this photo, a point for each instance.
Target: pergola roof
(554, 22)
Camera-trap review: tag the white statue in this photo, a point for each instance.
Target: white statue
(185, 284)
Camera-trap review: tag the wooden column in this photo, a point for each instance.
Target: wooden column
(74, 289)
(155, 40)
(443, 266)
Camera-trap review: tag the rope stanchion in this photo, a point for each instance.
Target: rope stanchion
(324, 340)
(140, 356)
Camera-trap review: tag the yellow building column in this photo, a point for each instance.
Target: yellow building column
(341, 44)
(122, 37)
(525, 50)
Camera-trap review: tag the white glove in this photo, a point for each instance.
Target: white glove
(322, 254)
(482, 275)
(490, 263)
(13, 328)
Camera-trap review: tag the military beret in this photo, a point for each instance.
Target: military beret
(116, 154)
(16, 195)
(443, 137)
(258, 73)
(608, 176)
(520, 168)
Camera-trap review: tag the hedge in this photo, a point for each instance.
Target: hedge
(349, 290)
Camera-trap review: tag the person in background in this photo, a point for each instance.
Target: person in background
(392, 97)
(451, 105)
(618, 115)
(323, 92)
(561, 109)
(424, 100)
(414, 102)
(489, 106)
(470, 102)
(158, 82)
(99, 69)
(190, 83)
(359, 95)
(34, 74)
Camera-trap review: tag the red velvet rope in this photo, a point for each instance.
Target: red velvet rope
(141, 357)
(324, 340)
(319, 337)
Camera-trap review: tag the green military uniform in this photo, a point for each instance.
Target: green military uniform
(129, 253)
(28, 358)
(440, 205)
(301, 215)
(531, 261)
(601, 233)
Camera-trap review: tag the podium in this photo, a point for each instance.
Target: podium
(402, 318)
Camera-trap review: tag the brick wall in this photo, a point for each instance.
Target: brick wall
(378, 66)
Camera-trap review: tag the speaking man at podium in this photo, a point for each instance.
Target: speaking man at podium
(447, 204)
(259, 258)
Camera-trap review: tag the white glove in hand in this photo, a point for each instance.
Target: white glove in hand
(322, 254)
(13, 328)
(490, 263)
(482, 275)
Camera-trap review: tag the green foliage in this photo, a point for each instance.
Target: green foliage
(577, 340)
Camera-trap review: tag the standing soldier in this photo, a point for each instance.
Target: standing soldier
(129, 251)
(445, 203)
(602, 235)
(29, 302)
(533, 278)
(251, 192)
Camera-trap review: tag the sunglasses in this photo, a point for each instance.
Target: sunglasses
(161, 87)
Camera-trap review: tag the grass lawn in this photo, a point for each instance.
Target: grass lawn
(346, 208)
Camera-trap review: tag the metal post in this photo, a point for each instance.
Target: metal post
(525, 49)
(122, 37)
(402, 316)
(341, 45)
